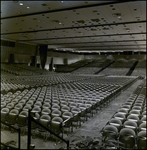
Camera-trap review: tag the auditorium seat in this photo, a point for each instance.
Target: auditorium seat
(45, 121)
(4, 114)
(67, 120)
(22, 121)
(55, 113)
(141, 140)
(56, 125)
(127, 138)
(12, 117)
(10, 106)
(115, 122)
(130, 124)
(109, 136)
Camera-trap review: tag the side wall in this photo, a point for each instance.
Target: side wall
(23, 52)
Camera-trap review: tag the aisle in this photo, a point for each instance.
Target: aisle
(93, 126)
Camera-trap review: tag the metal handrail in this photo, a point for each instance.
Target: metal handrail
(14, 129)
(12, 147)
(30, 118)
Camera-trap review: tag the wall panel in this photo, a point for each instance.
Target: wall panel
(5, 53)
(22, 58)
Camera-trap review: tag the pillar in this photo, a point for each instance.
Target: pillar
(51, 65)
(33, 61)
(65, 61)
(11, 58)
(43, 55)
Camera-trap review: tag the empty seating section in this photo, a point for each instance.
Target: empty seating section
(127, 127)
(119, 67)
(9, 83)
(86, 70)
(62, 105)
(123, 63)
(140, 69)
(23, 69)
(31, 70)
(73, 66)
(93, 67)
(62, 102)
(114, 71)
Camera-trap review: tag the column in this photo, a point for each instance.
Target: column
(43, 54)
(51, 65)
(11, 58)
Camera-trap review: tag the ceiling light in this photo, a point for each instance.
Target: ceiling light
(20, 3)
(28, 7)
(61, 1)
(38, 20)
(60, 23)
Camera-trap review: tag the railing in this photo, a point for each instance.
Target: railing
(104, 67)
(6, 145)
(30, 118)
(132, 69)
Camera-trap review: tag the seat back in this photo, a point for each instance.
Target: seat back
(127, 138)
(36, 109)
(142, 127)
(141, 140)
(22, 119)
(110, 131)
(45, 111)
(12, 116)
(130, 124)
(67, 115)
(56, 124)
(4, 113)
(44, 120)
(55, 113)
(46, 105)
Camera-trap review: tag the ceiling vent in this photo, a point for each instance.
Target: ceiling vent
(44, 4)
(81, 21)
(57, 21)
(95, 20)
(93, 29)
(105, 28)
(128, 29)
(118, 15)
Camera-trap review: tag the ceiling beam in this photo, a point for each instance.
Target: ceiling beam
(83, 36)
(115, 49)
(78, 27)
(96, 42)
(67, 9)
(104, 46)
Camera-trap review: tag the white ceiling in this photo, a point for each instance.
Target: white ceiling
(76, 25)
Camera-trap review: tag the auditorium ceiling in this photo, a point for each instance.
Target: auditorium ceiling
(76, 26)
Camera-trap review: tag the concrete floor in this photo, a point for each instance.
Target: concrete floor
(90, 128)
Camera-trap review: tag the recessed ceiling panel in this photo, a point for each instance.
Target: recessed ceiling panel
(70, 24)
